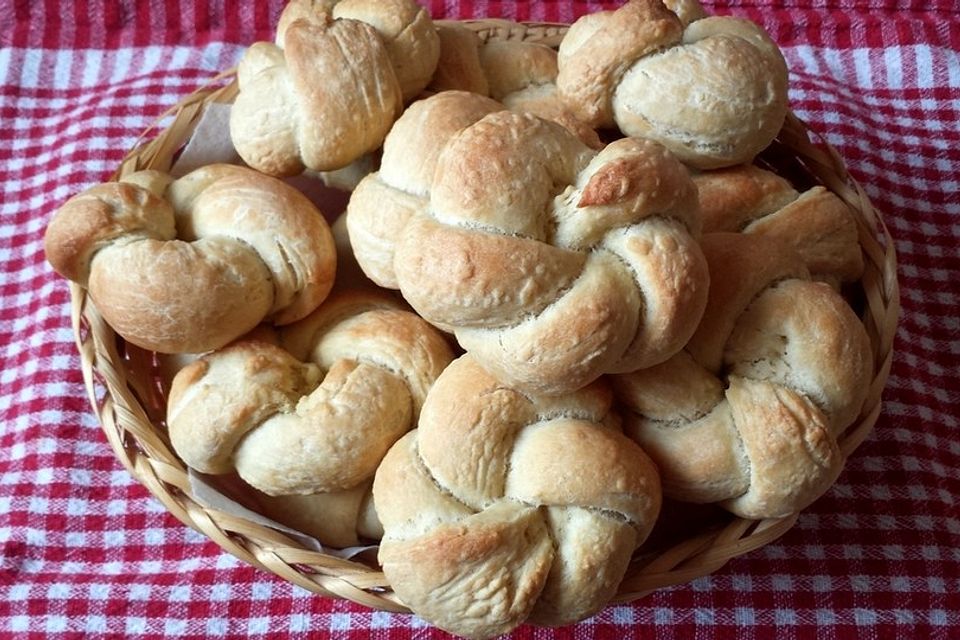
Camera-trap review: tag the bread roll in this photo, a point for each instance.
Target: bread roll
(817, 223)
(188, 267)
(554, 264)
(505, 507)
(328, 92)
(316, 413)
(521, 75)
(749, 413)
(712, 90)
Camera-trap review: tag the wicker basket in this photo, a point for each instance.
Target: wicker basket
(124, 389)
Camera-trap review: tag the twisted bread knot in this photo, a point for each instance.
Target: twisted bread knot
(797, 365)
(817, 223)
(503, 508)
(713, 91)
(521, 75)
(315, 414)
(384, 201)
(330, 91)
(190, 266)
(554, 264)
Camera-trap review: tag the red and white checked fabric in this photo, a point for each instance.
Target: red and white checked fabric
(85, 551)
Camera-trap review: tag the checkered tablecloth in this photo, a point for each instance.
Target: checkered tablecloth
(85, 551)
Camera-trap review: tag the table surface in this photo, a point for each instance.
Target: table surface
(85, 551)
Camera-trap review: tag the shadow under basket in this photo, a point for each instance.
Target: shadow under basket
(127, 394)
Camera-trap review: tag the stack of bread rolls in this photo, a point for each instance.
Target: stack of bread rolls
(570, 293)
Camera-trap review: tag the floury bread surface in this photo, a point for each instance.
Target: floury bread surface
(552, 263)
(711, 89)
(187, 265)
(505, 507)
(315, 413)
(328, 92)
(748, 414)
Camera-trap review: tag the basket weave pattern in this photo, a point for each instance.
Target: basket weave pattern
(124, 389)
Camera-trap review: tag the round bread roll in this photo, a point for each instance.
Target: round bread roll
(329, 90)
(817, 223)
(749, 413)
(187, 265)
(713, 91)
(554, 264)
(315, 414)
(504, 508)
(384, 201)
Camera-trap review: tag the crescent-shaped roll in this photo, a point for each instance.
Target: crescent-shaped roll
(713, 90)
(315, 413)
(505, 507)
(187, 265)
(749, 413)
(554, 264)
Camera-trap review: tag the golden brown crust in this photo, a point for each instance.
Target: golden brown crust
(384, 202)
(749, 414)
(554, 264)
(222, 250)
(408, 34)
(329, 93)
(504, 507)
(817, 224)
(711, 89)
(316, 416)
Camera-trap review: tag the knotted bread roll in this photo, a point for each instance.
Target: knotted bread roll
(315, 414)
(188, 265)
(554, 264)
(504, 508)
(749, 413)
(521, 75)
(816, 223)
(713, 91)
(330, 89)
(384, 201)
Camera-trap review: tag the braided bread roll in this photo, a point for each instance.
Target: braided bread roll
(188, 265)
(521, 75)
(504, 507)
(713, 91)
(749, 413)
(315, 414)
(330, 91)
(554, 264)
(817, 223)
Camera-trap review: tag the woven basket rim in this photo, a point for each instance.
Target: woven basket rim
(124, 395)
